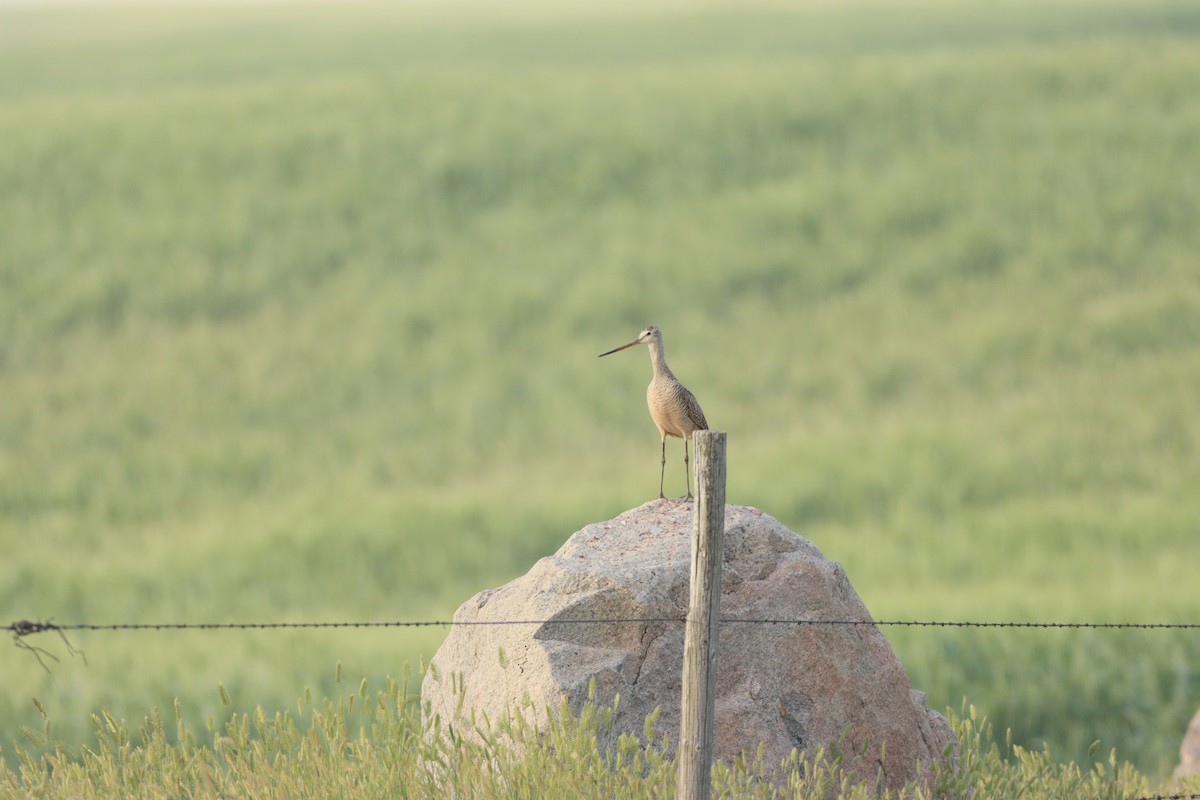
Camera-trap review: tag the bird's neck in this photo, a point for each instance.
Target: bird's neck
(659, 360)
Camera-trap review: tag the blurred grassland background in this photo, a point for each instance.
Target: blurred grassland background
(300, 307)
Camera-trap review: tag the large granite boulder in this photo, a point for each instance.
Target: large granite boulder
(787, 686)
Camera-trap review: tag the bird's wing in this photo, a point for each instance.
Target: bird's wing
(693, 411)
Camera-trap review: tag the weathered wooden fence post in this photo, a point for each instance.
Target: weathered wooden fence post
(704, 609)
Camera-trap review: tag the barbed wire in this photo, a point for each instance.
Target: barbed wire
(24, 628)
(21, 629)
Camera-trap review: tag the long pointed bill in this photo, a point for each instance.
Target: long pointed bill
(622, 347)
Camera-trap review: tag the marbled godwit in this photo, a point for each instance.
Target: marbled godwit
(672, 407)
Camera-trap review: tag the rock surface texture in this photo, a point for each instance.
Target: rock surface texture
(1189, 751)
(787, 686)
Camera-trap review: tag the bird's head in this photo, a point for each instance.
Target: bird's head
(648, 334)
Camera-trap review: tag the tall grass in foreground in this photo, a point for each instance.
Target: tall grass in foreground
(376, 744)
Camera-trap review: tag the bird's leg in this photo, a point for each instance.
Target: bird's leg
(687, 470)
(663, 471)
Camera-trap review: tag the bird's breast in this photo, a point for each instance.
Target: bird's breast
(668, 403)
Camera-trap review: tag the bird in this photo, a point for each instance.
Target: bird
(672, 407)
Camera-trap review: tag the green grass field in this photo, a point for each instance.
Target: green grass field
(300, 308)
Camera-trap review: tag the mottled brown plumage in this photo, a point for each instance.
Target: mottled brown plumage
(672, 407)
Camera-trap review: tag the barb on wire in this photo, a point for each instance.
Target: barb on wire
(23, 628)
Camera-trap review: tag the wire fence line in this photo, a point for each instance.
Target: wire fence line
(22, 628)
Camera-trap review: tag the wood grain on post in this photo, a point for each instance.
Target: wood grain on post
(700, 640)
